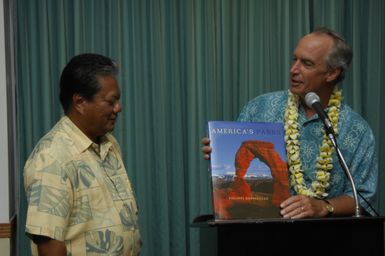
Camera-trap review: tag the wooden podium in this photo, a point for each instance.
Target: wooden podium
(327, 236)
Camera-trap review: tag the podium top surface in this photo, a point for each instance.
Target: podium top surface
(209, 220)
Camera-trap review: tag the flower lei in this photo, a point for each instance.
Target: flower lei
(324, 162)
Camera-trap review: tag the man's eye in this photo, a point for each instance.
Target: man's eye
(307, 63)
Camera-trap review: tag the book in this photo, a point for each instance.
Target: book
(249, 171)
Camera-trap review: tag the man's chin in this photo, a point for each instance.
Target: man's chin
(111, 125)
(297, 88)
(109, 129)
(294, 89)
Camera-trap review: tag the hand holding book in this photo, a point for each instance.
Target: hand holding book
(206, 149)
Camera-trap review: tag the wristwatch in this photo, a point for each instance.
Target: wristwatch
(329, 207)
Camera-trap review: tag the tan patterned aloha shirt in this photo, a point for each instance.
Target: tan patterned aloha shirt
(78, 192)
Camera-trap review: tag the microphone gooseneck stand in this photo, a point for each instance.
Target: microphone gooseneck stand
(348, 174)
(312, 100)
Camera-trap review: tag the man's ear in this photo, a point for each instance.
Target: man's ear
(78, 103)
(333, 74)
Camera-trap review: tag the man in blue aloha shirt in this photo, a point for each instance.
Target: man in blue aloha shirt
(319, 186)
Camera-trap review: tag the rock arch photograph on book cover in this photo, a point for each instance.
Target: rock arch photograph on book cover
(249, 172)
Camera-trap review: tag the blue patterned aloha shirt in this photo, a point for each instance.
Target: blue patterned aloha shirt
(355, 140)
(78, 192)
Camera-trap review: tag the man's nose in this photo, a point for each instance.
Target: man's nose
(295, 67)
(117, 107)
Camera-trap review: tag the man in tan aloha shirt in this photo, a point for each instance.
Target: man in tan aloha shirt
(80, 200)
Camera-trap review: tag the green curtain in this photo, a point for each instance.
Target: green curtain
(182, 63)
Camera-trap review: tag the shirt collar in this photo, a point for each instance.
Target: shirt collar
(302, 119)
(82, 142)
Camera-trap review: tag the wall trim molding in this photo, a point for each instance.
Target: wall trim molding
(5, 230)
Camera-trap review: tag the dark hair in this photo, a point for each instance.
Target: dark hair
(340, 54)
(80, 75)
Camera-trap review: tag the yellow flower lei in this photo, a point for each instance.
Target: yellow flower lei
(324, 161)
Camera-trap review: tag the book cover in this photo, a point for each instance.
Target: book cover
(249, 169)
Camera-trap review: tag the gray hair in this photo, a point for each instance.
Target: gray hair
(340, 55)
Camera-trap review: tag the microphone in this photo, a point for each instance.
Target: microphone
(312, 100)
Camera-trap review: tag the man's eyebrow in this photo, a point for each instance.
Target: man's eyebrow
(309, 61)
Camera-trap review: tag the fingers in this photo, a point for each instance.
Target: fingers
(294, 211)
(206, 149)
(206, 153)
(205, 141)
(301, 212)
(296, 207)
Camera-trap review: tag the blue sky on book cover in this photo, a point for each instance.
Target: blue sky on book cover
(227, 136)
